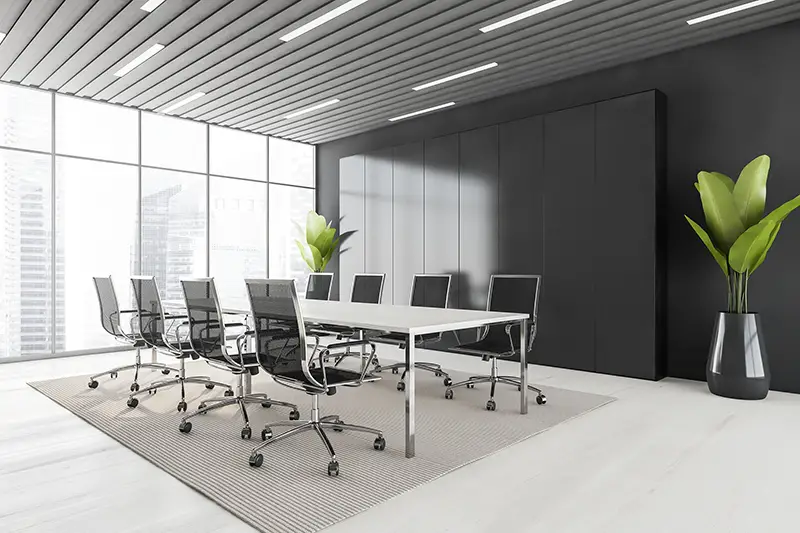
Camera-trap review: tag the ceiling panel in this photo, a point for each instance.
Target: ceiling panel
(369, 58)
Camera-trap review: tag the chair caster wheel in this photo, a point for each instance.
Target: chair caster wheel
(185, 427)
(448, 394)
(247, 433)
(338, 430)
(229, 392)
(133, 402)
(113, 375)
(134, 387)
(266, 434)
(312, 366)
(401, 386)
(394, 371)
(294, 414)
(437, 374)
(152, 391)
(519, 388)
(182, 406)
(93, 384)
(210, 386)
(165, 371)
(447, 382)
(333, 469)
(491, 405)
(541, 399)
(202, 406)
(379, 444)
(470, 385)
(256, 460)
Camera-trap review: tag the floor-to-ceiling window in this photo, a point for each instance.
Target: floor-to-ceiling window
(93, 189)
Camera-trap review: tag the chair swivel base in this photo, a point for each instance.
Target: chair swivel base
(318, 425)
(153, 388)
(114, 372)
(493, 379)
(241, 400)
(433, 368)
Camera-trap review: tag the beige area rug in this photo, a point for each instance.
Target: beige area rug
(291, 492)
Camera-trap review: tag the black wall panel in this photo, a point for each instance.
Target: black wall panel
(409, 217)
(625, 268)
(566, 317)
(441, 210)
(521, 197)
(378, 231)
(478, 215)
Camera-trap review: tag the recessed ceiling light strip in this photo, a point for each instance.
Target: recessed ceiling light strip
(319, 21)
(144, 56)
(150, 5)
(729, 11)
(183, 102)
(525, 14)
(422, 111)
(455, 76)
(313, 108)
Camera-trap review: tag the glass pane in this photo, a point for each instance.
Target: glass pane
(288, 204)
(173, 229)
(94, 129)
(25, 118)
(173, 143)
(26, 268)
(97, 231)
(238, 237)
(291, 162)
(238, 153)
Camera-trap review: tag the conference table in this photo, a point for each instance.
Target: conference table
(412, 322)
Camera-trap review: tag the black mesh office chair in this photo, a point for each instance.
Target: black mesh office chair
(427, 290)
(208, 334)
(319, 286)
(167, 333)
(111, 319)
(510, 294)
(283, 353)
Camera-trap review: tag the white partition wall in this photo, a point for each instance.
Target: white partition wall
(352, 202)
(94, 189)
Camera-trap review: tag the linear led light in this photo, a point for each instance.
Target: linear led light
(422, 111)
(313, 108)
(144, 56)
(319, 21)
(456, 76)
(525, 14)
(728, 11)
(150, 5)
(2, 36)
(183, 102)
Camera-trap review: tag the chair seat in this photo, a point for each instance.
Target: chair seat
(250, 362)
(335, 376)
(489, 347)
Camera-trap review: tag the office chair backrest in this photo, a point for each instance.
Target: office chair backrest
(319, 286)
(279, 329)
(206, 323)
(109, 307)
(367, 288)
(430, 290)
(149, 308)
(512, 294)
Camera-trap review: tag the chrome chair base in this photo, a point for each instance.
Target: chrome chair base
(241, 399)
(181, 380)
(433, 368)
(494, 378)
(114, 372)
(318, 425)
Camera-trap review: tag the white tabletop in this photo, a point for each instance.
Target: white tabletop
(394, 318)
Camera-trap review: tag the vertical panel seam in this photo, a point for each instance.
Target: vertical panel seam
(592, 255)
(53, 240)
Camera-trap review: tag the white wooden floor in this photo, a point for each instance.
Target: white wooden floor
(665, 457)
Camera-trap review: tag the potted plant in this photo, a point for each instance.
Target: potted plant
(320, 242)
(739, 237)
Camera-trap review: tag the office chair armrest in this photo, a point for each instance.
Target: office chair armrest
(533, 330)
(128, 311)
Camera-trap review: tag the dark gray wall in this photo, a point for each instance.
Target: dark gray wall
(729, 101)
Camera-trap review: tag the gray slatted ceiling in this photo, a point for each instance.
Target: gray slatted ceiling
(369, 58)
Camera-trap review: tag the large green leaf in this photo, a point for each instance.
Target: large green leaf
(750, 192)
(718, 256)
(324, 241)
(720, 210)
(780, 214)
(304, 254)
(315, 225)
(317, 258)
(750, 246)
(774, 234)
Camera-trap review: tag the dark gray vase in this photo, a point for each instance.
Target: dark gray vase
(737, 362)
